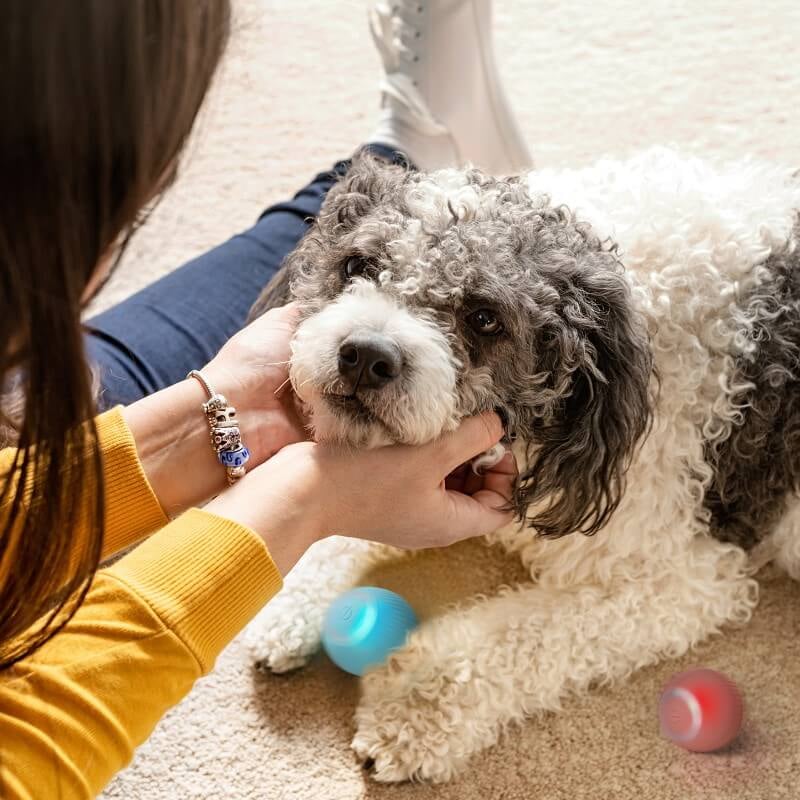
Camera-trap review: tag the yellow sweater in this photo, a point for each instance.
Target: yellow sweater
(72, 714)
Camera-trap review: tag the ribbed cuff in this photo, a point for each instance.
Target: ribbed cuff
(132, 508)
(205, 576)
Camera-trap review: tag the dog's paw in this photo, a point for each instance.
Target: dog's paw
(283, 637)
(272, 656)
(413, 724)
(395, 761)
(400, 743)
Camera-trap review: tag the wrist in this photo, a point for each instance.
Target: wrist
(224, 432)
(287, 526)
(251, 372)
(266, 423)
(172, 443)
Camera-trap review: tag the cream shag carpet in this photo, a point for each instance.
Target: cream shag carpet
(299, 90)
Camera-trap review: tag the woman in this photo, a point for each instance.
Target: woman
(97, 99)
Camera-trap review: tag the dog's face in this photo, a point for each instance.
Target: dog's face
(428, 298)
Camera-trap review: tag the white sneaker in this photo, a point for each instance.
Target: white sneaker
(443, 103)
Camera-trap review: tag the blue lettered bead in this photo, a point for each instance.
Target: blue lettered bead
(234, 458)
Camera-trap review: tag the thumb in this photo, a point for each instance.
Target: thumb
(474, 436)
(484, 511)
(478, 514)
(284, 315)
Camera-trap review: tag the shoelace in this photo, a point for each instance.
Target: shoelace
(393, 29)
(399, 33)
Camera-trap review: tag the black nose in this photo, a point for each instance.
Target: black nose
(368, 362)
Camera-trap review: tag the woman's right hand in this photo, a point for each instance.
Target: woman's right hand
(395, 495)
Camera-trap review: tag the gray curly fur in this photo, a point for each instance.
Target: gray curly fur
(759, 464)
(572, 371)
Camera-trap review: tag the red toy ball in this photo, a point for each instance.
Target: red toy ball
(701, 710)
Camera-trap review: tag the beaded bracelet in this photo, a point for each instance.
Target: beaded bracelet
(226, 438)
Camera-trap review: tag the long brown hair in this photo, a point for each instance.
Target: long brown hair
(97, 98)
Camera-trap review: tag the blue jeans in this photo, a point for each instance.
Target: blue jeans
(179, 323)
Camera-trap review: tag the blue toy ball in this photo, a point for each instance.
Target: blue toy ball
(364, 625)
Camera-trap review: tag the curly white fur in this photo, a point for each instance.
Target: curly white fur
(652, 583)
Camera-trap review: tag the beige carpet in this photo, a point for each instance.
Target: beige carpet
(588, 78)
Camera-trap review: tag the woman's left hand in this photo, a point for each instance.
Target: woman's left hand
(170, 430)
(252, 371)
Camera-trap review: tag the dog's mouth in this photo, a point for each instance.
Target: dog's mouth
(352, 406)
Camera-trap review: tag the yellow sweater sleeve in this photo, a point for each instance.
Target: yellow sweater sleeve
(132, 510)
(72, 714)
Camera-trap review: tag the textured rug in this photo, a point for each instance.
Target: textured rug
(298, 90)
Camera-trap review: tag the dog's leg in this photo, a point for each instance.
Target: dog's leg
(286, 633)
(463, 677)
(783, 545)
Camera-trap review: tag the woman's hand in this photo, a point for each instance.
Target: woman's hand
(395, 495)
(252, 371)
(170, 430)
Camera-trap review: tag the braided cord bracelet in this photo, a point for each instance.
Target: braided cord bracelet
(223, 428)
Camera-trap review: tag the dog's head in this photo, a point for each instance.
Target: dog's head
(426, 298)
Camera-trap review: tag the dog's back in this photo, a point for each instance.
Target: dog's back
(712, 255)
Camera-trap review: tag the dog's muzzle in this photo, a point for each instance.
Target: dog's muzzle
(368, 361)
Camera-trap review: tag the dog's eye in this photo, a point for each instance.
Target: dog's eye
(485, 322)
(355, 267)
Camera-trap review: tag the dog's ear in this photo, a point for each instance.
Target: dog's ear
(594, 355)
(367, 181)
